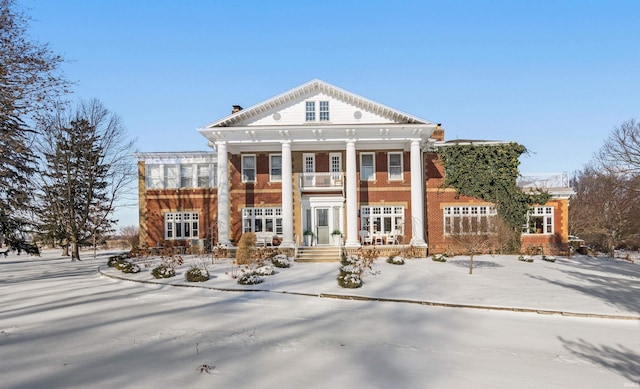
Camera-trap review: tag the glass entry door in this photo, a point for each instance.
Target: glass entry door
(322, 226)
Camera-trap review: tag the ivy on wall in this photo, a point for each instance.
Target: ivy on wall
(489, 172)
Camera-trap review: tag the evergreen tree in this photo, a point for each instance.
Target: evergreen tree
(86, 170)
(30, 83)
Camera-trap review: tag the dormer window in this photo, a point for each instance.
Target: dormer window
(310, 111)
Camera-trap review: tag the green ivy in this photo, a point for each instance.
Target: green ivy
(489, 172)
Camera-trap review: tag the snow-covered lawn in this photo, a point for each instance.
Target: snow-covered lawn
(63, 325)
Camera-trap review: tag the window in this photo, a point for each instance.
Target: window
(275, 167)
(367, 166)
(324, 111)
(262, 220)
(204, 177)
(155, 177)
(382, 220)
(186, 176)
(539, 221)
(248, 168)
(161, 176)
(395, 166)
(171, 176)
(310, 111)
(469, 219)
(181, 225)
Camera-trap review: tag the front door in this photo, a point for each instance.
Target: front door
(322, 226)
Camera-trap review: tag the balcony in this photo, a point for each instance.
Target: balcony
(320, 182)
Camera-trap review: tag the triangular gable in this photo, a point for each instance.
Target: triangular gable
(292, 100)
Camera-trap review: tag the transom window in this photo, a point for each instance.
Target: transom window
(539, 221)
(469, 219)
(262, 220)
(248, 168)
(367, 166)
(395, 166)
(181, 225)
(382, 220)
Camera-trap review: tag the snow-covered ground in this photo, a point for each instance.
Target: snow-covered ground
(64, 325)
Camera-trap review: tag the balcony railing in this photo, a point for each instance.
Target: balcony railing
(544, 181)
(321, 181)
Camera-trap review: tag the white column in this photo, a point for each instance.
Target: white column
(287, 196)
(417, 196)
(352, 197)
(223, 193)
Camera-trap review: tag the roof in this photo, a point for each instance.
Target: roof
(315, 86)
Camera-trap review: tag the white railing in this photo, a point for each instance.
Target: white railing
(321, 181)
(544, 181)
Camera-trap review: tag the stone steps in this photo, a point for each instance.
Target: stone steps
(318, 254)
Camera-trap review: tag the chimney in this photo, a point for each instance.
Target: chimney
(438, 133)
(236, 109)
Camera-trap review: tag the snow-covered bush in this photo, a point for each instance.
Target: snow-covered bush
(396, 260)
(525, 258)
(439, 257)
(349, 280)
(249, 279)
(281, 261)
(129, 267)
(163, 271)
(549, 258)
(196, 274)
(266, 270)
(114, 260)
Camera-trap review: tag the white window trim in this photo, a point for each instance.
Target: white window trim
(545, 212)
(390, 177)
(395, 213)
(255, 168)
(171, 219)
(321, 111)
(373, 161)
(271, 177)
(250, 215)
(307, 111)
(467, 212)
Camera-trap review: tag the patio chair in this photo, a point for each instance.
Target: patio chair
(365, 237)
(392, 238)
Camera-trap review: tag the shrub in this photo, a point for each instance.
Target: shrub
(525, 258)
(549, 258)
(266, 270)
(249, 279)
(245, 247)
(281, 261)
(114, 260)
(349, 280)
(396, 260)
(163, 271)
(196, 274)
(129, 267)
(439, 257)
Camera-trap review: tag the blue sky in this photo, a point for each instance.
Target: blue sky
(555, 76)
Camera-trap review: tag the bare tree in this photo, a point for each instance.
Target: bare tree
(476, 239)
(620, 154)
(131, 235)
(604, 211)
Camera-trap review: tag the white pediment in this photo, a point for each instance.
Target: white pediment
(290, 109)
